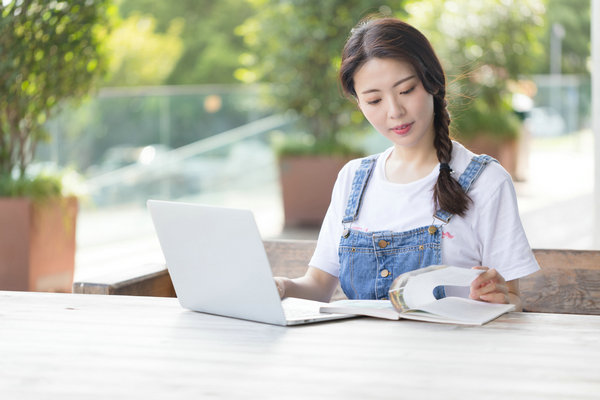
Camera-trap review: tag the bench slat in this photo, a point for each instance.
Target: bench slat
(143, 280)
(569, 281)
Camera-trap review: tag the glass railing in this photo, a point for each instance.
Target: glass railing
(201, 144)
(240, 159)
(235, 168)
(105, 132)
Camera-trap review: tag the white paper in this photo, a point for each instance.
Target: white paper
(418, 290)
(466, 310)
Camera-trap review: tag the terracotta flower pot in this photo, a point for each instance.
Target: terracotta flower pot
(37, 244)
(505, 151)
(306, 184)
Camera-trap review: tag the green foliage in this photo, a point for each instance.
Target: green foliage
(303, 144)
(296, 45)
(51, 52)
(139, 55)
(39, 188)
(483, 46)
(574, 17)
(483, 118)
(211, 50)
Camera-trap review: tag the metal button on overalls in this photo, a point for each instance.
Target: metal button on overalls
(383, 244)
(385, 273)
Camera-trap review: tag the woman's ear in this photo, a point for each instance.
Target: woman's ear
(357, 104)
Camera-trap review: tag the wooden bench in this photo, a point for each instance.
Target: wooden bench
(568, 282)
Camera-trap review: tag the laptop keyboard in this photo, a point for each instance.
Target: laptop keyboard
(300, 309)
(297, 313)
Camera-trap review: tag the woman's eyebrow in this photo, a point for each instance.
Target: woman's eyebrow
(394, 85)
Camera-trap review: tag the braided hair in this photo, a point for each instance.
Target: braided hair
(394, 39)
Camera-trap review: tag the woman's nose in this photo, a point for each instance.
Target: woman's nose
(396, 108)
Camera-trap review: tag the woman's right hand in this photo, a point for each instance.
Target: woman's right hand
(280, 283)
(314, 285)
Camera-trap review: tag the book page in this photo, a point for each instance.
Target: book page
(465, 310)
(411, 297)
(373, 304)
(372, 308)
(419, 288)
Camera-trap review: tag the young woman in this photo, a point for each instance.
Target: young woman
(426, 200)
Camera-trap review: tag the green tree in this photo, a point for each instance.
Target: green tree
(574, 16)
(483, 46)
(50, 52)
(295, 46)
(141, 56)
(211, 50)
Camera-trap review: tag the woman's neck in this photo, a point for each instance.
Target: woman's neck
(405, 165)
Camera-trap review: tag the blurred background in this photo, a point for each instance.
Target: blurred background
(203, 101)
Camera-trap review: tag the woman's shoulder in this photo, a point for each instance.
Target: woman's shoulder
(492, 182)
(492, 173)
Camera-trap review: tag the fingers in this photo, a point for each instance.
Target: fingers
(489, 276)
(490, 286)
(499, 298)
(280, 287)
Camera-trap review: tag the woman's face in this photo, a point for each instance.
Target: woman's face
(394, 101)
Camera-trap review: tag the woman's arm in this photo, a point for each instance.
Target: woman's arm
(316, 285)
(490, 286)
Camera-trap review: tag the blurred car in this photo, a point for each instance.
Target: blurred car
(545, 122)
(137, 173)
(124, 155)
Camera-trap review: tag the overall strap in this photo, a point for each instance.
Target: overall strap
(477, 164)
(361, 178)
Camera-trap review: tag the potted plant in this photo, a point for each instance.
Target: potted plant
(50, 53)
(295, 47)
(487, 124)
(484, 46)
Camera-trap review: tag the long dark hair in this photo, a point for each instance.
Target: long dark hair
(395, 39)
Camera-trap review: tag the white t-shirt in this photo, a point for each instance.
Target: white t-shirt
(490, 234)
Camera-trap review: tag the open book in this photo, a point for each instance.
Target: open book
(412, 297)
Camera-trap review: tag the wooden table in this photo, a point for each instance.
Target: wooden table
(71, 346)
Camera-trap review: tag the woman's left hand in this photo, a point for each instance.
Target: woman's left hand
(490, 286)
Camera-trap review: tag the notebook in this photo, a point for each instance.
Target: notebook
(218, 265)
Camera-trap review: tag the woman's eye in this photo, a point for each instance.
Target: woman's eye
(372, 102)
(408, 91)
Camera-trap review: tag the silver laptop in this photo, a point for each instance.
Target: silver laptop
(218, 265)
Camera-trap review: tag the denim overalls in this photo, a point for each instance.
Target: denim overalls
(370, 261)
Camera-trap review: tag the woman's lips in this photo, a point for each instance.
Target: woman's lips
(402, 129)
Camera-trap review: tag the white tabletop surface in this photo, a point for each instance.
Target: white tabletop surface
(72, 346)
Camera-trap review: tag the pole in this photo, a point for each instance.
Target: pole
(595, 21)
